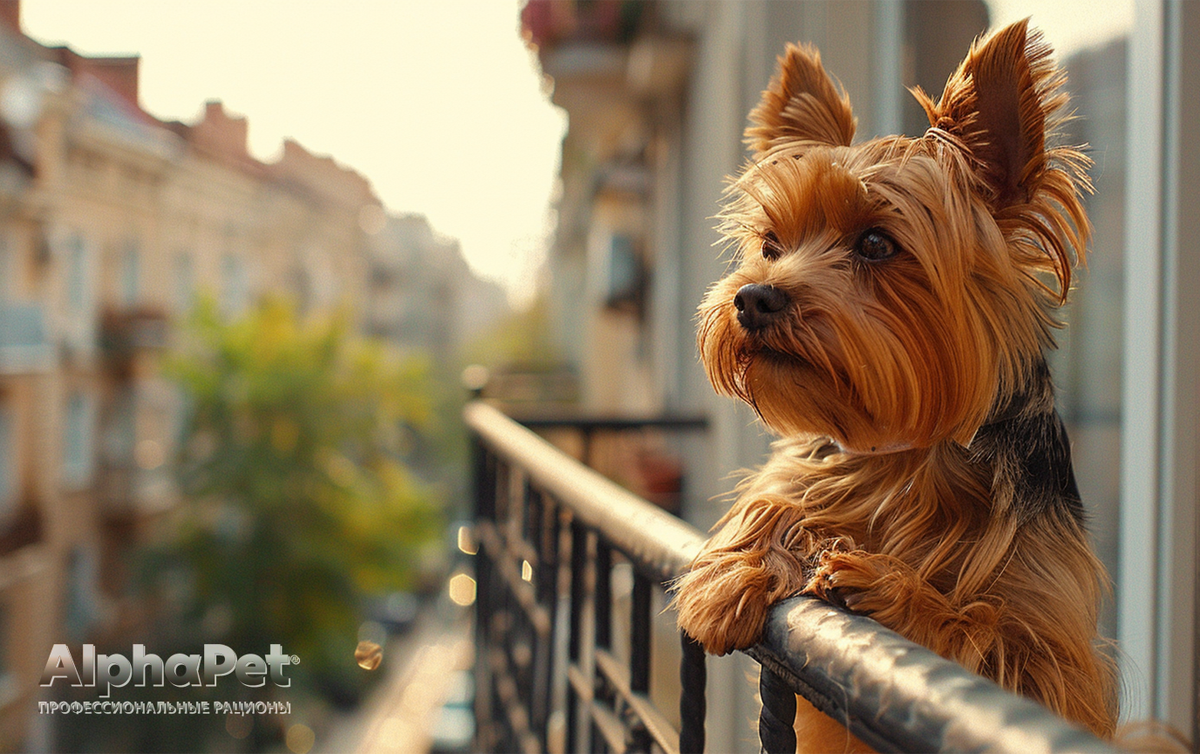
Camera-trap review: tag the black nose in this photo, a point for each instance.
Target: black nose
(758, 305)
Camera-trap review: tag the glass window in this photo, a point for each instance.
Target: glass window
(8, 464)
(77, 442)
(235, 285)
(119, 432)
(4, 659)
(184, 282)
(8, 268)
(79, 294)
(80, 611)
(130, 272)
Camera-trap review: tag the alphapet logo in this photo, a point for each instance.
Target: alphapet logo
(180, 670)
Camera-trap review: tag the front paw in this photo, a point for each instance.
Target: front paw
(723, 603)
(844, 577)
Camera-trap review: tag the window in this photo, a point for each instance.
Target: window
(1158, 575)
(79, 292)
(130, 273)
(7, 681)
(80, 611)
(184, 282)
(8, 462)
(235, 286)
(625, 273)
(8, 268)
(77, 441)
(120, 428)
(79, 323)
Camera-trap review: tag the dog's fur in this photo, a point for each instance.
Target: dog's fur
(888, 317)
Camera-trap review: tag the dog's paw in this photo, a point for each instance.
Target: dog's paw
(849, 578)
(723, 604)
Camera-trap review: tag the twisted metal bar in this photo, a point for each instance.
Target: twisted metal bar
(693, 676)
(778, 715)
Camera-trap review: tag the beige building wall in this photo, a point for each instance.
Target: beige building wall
(118, 227)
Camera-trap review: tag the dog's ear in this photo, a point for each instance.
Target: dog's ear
(997, 105)
(802, 103)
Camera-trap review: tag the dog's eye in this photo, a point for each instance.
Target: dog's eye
(875, 246)
(771, 247)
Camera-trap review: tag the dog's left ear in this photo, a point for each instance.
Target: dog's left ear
(996, 105)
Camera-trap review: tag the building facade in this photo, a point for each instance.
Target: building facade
(112, 224)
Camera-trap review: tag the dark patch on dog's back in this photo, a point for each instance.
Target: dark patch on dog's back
(1030, 454)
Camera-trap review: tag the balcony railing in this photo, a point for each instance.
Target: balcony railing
(20, 528)
(128, 331)
(551, 675)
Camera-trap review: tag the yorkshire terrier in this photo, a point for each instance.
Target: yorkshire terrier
(887, 317)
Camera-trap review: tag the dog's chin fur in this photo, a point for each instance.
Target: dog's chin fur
(924, 477)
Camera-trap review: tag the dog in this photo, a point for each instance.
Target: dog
(887, 317)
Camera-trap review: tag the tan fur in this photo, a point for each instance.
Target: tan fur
(817, 733)
(880, 375)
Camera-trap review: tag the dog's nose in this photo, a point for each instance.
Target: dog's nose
(757, 305)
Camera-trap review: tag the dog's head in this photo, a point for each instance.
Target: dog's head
(889, 293)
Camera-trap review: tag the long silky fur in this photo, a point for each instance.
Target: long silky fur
(923, 476)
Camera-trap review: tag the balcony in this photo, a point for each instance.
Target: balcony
(23, 528)
(127, 333)
(24, 346)
(606, 55)
(568, 568)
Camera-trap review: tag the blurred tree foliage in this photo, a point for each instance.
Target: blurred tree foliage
(298, 502)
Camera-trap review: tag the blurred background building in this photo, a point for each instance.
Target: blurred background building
(111, 225)
(423, 294)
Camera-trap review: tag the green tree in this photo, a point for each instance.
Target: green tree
(299, 505)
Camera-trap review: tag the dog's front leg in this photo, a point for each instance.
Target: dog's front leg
(757, 558)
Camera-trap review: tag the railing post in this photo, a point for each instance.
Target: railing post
(602, 630)
(545, 575)
(693, 679)
(483, 493)
(575, 648)
(639, 650)
(778, 715)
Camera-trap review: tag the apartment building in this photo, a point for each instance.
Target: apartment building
(423, 295)
(111, 224)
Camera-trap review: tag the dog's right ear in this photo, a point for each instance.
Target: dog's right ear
(802, 103)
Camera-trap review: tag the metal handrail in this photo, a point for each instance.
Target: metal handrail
(621, 516)
(899, 696)
(893, 694)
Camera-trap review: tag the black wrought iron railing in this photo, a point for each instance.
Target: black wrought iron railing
(563, 663)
